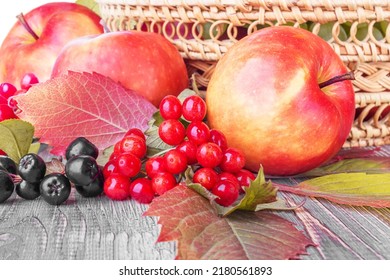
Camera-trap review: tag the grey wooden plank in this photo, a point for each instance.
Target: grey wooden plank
(81, 228)
(99, 228)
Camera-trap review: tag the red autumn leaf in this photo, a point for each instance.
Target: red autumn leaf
(83, 104)
(189, 218)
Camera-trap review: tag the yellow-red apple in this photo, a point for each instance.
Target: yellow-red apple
(145, 62)
(274, 97)
(33, 43)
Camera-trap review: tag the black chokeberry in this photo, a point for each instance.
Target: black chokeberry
(6, 186)
(27, 190)
(81, 146)
(93, 189)
(32, 168)
(82, 170)
(8, 164)
(55, 188)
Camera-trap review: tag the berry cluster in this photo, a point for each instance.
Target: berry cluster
(122, 172)
(29, 178)
(218, 168)
(8, 90)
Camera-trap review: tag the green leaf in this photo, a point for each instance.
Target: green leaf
(34, 148)
(259, 195)
(371, 165)
(16, 137)
(104, 156)
(258, 192)
(357, 189)
(91, 4)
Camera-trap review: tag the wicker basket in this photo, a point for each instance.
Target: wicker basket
(203, 30)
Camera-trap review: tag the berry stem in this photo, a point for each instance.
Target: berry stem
(25, 24)
(339, 78)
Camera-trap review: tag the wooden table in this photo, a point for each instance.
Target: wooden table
(99, 228)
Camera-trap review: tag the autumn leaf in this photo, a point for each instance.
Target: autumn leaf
(358, 189)
(16, 138)
(190, 219)
(83, 104)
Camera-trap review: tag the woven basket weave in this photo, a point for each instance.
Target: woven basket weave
(203, 30)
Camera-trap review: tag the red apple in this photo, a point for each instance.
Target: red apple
(33, 43)
(145, 62)
(268, 96)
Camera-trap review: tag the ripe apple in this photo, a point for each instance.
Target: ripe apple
(33, 43)
(145, 62)
(281, 95)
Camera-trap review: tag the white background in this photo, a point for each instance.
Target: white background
(10, 9)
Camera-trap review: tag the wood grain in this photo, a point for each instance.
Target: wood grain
(94, 228)
(99, 228)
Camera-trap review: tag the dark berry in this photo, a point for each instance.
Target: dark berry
(209, 155)
(93, 189)
(207, 177)
(233, 160)
(194, 108)
(8, 164)
(117, 187)
(141, 190)
(163, 182)
(154, 166)
(189, 149)
(170, 107)
(32, 168)
(198, 132)
(172, 132)
(135, 132)
(128, 164)
(28, 80)
(27, 190)
(82, 170)
(175, 161)
(226, 191)
(133, 144)
(55, 188)
(81, 146)
(6, 186)
(218, 138)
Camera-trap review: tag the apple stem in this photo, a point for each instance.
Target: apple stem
(25, 24)
(339, 78)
